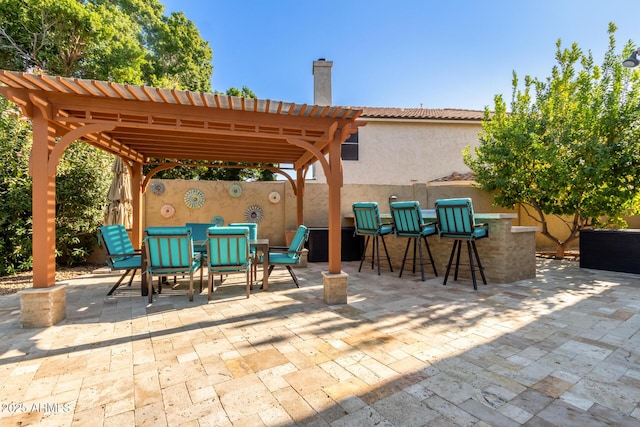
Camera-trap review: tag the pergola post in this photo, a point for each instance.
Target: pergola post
(335, 280)
(43, 203)
(300, 196)
(44, 304)
(136, 192)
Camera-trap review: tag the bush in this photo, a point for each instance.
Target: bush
(82, 183)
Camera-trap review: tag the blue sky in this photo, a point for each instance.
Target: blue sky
(400, 53)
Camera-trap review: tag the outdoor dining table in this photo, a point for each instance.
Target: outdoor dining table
(262, 245)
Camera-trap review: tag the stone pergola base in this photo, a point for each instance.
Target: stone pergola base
(335, 287)
(43, 307)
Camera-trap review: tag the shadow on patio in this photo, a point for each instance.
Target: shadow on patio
(561, 349)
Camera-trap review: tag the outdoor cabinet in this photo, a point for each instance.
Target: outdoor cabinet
(318, 245)
(612, 250)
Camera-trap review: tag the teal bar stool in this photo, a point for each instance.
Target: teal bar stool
(369, 224)
(408, 222)
(456, 221)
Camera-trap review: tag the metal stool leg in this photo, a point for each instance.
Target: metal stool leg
(364, 252)
(453, 251)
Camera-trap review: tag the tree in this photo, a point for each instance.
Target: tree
(15, 190)
(127, 41)
(570, 147)
(77, 212)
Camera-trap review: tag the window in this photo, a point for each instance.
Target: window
(350, 147)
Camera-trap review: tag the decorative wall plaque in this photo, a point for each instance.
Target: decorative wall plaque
(194, 198)
(217, 220)
(157, 188)
(254, 214)
(235, 190)
(274, 197)
(167, 211)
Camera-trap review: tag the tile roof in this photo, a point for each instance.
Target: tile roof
(421, 113)
(456, 176)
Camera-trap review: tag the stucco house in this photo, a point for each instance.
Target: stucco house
(401, 146)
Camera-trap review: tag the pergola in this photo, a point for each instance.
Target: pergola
(145, 125)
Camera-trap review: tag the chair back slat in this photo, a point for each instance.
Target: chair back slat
(407, 218)
(228, 247)
(367, 217)
(116, 241)
(455, 217)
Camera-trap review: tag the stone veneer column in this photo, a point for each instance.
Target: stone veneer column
(43, 307)
(335, 287)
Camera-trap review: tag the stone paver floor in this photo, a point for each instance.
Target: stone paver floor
(560, 349)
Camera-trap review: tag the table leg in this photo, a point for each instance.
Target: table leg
(143, 268)
(265, 270)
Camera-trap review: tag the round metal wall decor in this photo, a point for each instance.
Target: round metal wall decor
(235, 190)
(167, 211)
(254, 214)
(217, 220)
(194, 198)
(157, 188)
(274, 197)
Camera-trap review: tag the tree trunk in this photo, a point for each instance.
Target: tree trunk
(560, 250)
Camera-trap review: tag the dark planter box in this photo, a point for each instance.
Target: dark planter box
(613, 250)
(318, 245)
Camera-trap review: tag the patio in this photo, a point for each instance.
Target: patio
(560, 349)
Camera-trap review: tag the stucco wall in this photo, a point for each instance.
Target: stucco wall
(402, 153)
(219, 202)
(281, 216)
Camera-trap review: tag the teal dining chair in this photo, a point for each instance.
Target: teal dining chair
(253, 235)
(120, 254)
(228, 252)
(369, 224)
(289, 257)
(456, 221)
(199, 234)
(408, 223)
(170, 251)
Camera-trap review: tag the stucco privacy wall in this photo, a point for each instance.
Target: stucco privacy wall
(219, 201)
(405, 152)
(282, 215)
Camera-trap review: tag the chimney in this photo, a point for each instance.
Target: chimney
(322, 82)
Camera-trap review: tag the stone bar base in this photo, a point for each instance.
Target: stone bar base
(43, 307)
(335, 287)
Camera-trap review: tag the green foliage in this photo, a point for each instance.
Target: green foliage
(127, 41)
(82, 183)
(15, 190)
(244, 93)
(215, 173)
(569, 147)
